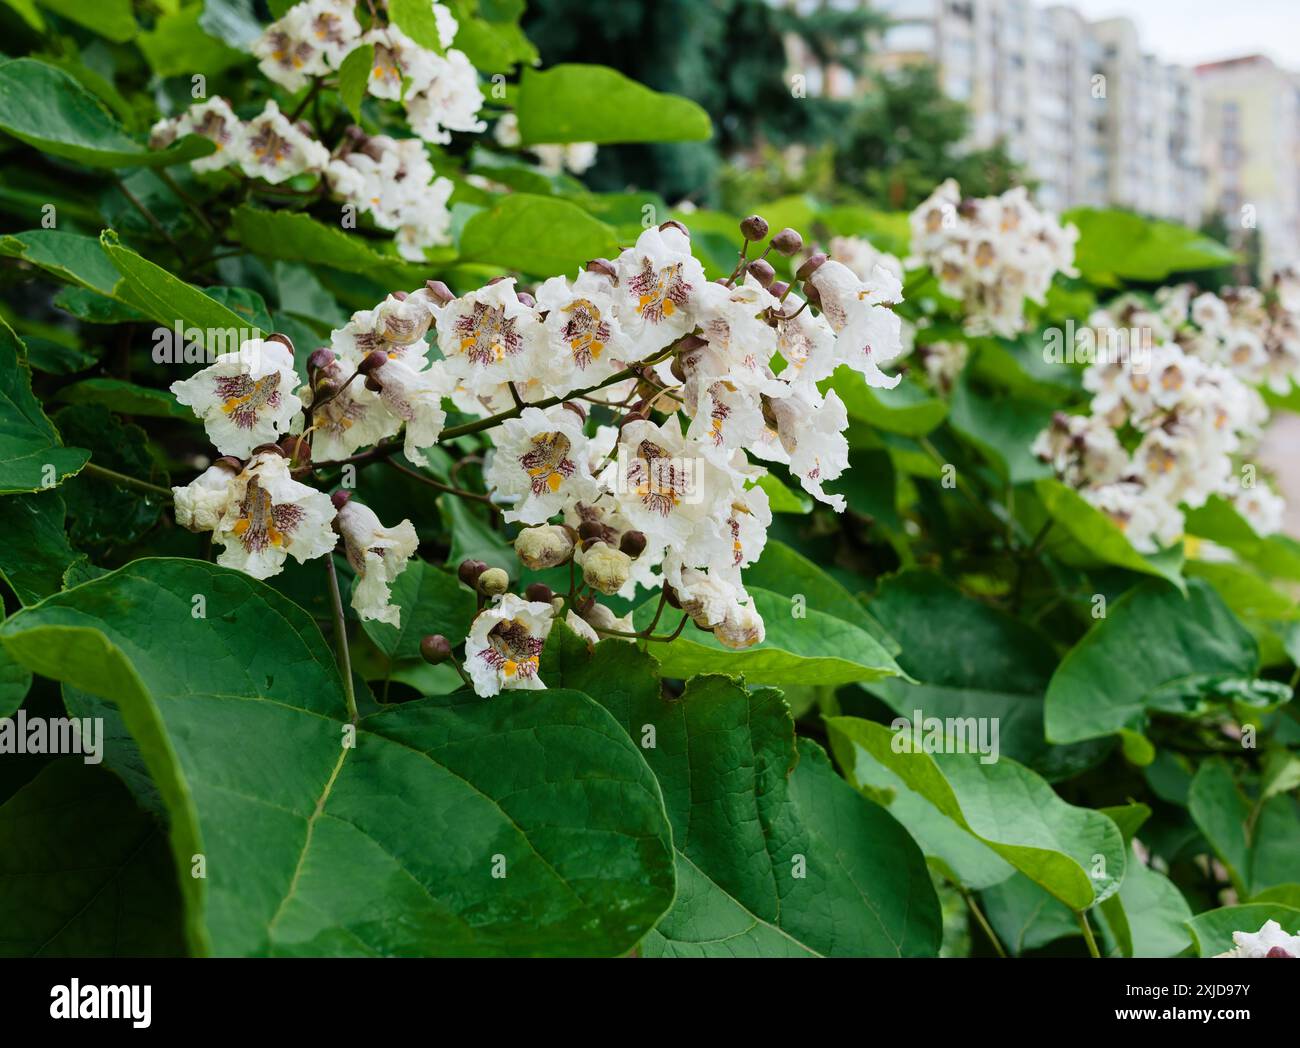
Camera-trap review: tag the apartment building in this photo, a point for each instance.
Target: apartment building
(1251, 149)
(1095, 119)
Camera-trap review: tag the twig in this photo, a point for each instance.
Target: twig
(127, 482)
(341, 637)
(440, 486)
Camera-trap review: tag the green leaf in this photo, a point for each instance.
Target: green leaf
(782, 499)
(1218, 521)
(432, 601)
(46, 108)
(1156, 912)
(297, 833)
(1004, 805)
(109, 18)
(593, 103)
(32, 455)
(177, 46)
(1086, 536)
(776, 856)
(126, 398)
(472, 538)
(905, 409)
(415, 18)
(15, 682)
(1212, 930)
(1116, 245)
(34, 550)
(1221, 812)
(972, 660)
(1025, 917)
(354, 77)
(1107, 683)
(86, 872)
(1002, 428)
(170, 301)
(809, 648)
(536, 234)
(295, 237)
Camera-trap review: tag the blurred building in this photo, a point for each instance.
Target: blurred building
(1095, 119)
(1251, 147)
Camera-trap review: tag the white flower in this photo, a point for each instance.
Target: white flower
(811, 432)
(541, 460)
(278, 150)
(869, 333)
(289, 55)
(544, 547)
(504, 644)
(270, 517)
(1148, 520)
(861, 256)
(807, 342)
(416, 398)
(200, 504)
(944, 361)
(212, 119)
(742, 628)
(378, 555)
(1083, 450)
(1260, 506)
(664, 486)
(445, 98)
(733, 322)
(584, 339)
(351, 418)
(489, 337)
(659, 283)
(332, 26)
(1264, 943)
(605, 569)
(726, 416)
(244, 398)
(397, 58)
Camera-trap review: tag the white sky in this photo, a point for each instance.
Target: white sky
(1192, 31)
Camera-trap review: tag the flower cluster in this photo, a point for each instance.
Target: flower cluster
(575, 157)
(991, 253)
(1162, 432)
(439, 91)
(701, 378)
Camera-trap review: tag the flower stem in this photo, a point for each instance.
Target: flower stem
(439, 485)
(341, 638)
(127, 482)
(1087, 934)
(982, 921)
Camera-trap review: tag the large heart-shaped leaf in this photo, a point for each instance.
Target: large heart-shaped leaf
(1212, 930)
(85, 872)
(524, 824)
(1075, 854)
(32, 455)
(536, 234)
(776, 855)
(1150, 637)
(46, 108)
(35, 552)
(431, 601)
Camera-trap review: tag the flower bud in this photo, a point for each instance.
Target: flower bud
(229, 462)
(469, 571)
(324, 388)
(779, 288)
(606, 570)
(1277, 951)
(340, 498)
(675, 225)
(813, 296)
(811, 264)
(373, 361)
(633, 543)
(576, 408)
(526, 299)
(590, 530)
(297, 450)
(373, 384)
(546, 546)
(439, 291)
(435, 649)
(493, 582)
(284, 340)
(754, 227)
(761, 270)
(601, 617)
(263, 449)
(320, 359)
(788, 242)
(603, 265)
(539, 591)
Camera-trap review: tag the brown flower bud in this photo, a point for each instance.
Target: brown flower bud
(754, 227)
(373, 361)
(527, 299)
(788, 242)
(265, 448)
(340, 498)
(676, 225)
(439, 291)
(230, 463)
(469, 571)
(590, 530)
(284, 340)
(435, 649)
(632, 543)
(320, 359)
(761, 270)
(779, 288)
(297, 450)
(811, 264)
(539, 591)
(603, 265)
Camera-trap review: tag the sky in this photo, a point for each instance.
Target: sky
(1191, 31)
